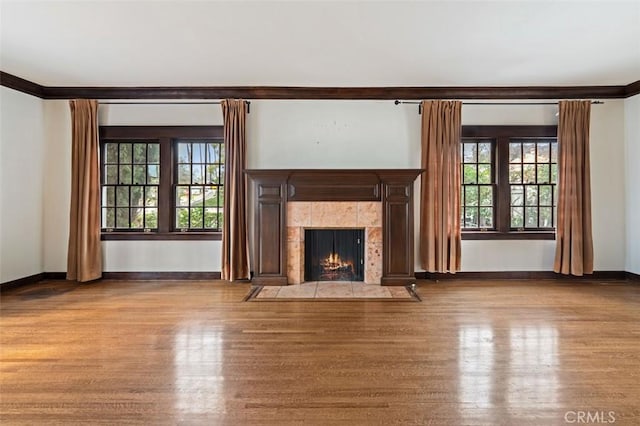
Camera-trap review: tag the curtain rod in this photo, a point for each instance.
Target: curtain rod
(170, 103)
(419, 103)
(495, 103)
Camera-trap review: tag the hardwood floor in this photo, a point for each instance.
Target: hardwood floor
(500, 353)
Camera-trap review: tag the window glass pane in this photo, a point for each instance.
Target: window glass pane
(471, 196)
(515, 153)
(469, 173)
(210, 218)
(111, 175)
(543, 173)
(554, 152)
(184, 153)
(198, 153)
(528, 152)
(529, 173)
(484, 152)
(486, 217)
(212, 153)
(221, 196)
(486, 196)
(109, 218)
(151, 218)
(108, 196)
(545, 195)
(184, 173)
(137, 196)
(517, 195)
(140, 174)
(122, 196)
(153, 175)
(122, 217)
(517, 217)
(182, 196)
(125, 175)
(531, 217)
(151, 195)
(197, 217)
(197, 173)
(469, 154)
(197, 196)
(125, 153)
(140, 153)
(211, 174)
(111, 153)
(515, 173)
(471, 217)
(210, 196)
(554, 173)
(546, 217)
(531, 193)
(484, 173)
(137, 218)
(543, 152)
(182, 218)
(153, 151)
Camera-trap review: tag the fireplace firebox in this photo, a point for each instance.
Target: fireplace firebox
(334, 255)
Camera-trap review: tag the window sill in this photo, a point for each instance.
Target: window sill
(515, 235)
(168, 236)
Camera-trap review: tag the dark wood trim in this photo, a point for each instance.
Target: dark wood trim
(520, 275)
(530, 131)
(158, 132)
(55, 275)
(632, 277)
(21, 85)
(161, 276)
(632, 89)
(20, 282)
(377, 93)
(514, 235)
(292, 92)
(161, 236)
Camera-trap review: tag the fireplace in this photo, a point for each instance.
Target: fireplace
(334, 255)
(287, 202)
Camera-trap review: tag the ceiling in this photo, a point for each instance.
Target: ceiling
(393, 43)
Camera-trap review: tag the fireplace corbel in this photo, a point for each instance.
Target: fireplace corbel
(274, 188)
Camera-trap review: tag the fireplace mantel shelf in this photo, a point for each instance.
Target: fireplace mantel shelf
(274, 188)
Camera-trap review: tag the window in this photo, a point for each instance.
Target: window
(509, 176)
(199, 191)
(162, 182)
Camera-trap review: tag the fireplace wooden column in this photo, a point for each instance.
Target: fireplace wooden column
(392, 187)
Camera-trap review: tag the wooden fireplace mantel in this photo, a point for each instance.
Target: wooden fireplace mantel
(275, 187)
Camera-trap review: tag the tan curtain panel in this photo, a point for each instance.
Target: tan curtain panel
(84, 257)
(574, 241)
(235, 243)
(440, 200)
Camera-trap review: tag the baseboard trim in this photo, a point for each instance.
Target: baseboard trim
(139, 276)
(523, 275)
(20, 282)
(632, 277)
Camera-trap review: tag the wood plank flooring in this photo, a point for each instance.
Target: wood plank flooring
(155, 353)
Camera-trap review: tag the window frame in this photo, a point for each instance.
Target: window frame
(501, 136)
(166, 137)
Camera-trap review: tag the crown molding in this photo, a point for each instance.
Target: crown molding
(21, 85)
(632, 89)
(317, 93)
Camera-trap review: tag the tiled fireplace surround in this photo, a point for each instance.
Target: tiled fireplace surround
(286, 202)
(365, 215)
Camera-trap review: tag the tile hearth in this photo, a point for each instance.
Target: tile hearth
(333, 290)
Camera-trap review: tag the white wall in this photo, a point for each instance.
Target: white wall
(632, 156)
(22, 163)
(351, 134)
